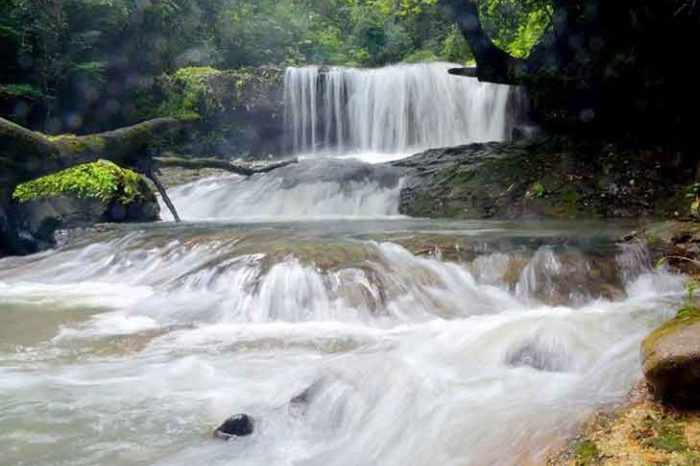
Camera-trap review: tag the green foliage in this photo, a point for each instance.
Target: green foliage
(187, 87)
(516, 25)
(102, 180)
(421, 56)
(21, 90)
(63, 49)
(455, 49)
(536, 191)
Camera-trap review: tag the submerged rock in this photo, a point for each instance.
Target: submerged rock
(540, 355)
(240, 425)
(671, 359)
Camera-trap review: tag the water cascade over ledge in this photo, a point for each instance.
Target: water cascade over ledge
(395, 109)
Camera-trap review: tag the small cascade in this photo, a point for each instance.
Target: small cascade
(395, 109)
(310, 189)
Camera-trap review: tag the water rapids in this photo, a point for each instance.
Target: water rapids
(386, 343)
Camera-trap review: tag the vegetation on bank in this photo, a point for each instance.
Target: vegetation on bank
(206, 91)
(101, 180)
(643, 433)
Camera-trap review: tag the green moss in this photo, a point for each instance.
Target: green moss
(101, 180)
(586, 453)
(684, 319)
(668, 436)
(186, 90)
(571, 197)
(76, 144)
(536, 191)
(423, 204)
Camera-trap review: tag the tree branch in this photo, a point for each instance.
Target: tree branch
(168, 159)
(493, 64)
(164, 194)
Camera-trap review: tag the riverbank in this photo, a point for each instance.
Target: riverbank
(641, 432)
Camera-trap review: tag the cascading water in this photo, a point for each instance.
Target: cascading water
(383, 342)
(395, 110)
(310, 189)
(349, 344)
(372, 115)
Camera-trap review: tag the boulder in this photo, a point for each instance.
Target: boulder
(240, 425)
(80, 197)
(558, 177)
(671, 360)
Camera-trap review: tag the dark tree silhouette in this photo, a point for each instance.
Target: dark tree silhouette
(620, 67)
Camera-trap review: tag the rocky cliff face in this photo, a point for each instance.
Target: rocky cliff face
(242, 110)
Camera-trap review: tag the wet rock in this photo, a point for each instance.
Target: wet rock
(41, 218)
(671, 360)
(555, 177)
(548, 358)
(240, 425)
(307, 395)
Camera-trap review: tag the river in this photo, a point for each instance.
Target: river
(351, 335)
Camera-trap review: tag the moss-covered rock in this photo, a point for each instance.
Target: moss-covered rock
(671, 359)
(553, 178)
(81, 196)
(101, 180)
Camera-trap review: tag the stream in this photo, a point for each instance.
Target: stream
(352, 335)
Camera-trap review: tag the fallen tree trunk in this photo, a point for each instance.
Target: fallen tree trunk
(26, 155)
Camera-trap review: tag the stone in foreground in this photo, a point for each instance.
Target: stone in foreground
(240, 425)
(671, 359)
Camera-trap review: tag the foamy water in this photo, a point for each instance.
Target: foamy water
(143, 342)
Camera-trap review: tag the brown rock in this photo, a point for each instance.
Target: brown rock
(671, 360)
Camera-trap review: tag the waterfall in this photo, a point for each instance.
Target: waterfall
(395, 109)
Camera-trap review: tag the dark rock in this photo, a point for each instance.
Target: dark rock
(547, 178)
(671, 360)
(307, 395)
(240, 425)
(538, 356)
(41, 218)
(241, 113)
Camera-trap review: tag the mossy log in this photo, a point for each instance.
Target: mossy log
(26, 155)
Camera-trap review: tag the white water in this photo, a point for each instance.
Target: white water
(129, 346)
(129, 349)
(371, 116)
(394, 110)
(319, 189)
